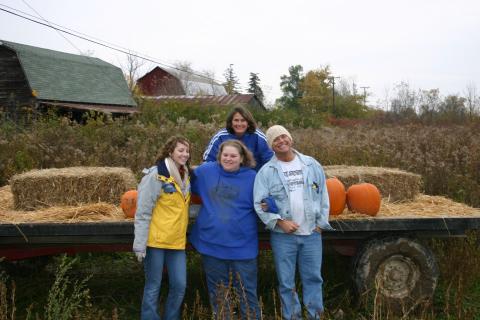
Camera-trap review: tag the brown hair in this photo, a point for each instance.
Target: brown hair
(247, 157)
(170, 145)
(252, 125)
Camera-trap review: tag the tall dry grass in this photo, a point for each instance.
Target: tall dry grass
(447, 157)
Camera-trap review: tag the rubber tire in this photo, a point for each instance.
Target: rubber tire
(401, 272)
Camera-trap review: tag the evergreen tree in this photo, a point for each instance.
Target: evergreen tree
(231, 83)
(291, 87)
(254, 86)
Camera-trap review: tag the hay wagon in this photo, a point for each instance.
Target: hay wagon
(388, 249)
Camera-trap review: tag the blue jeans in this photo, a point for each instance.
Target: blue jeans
(306, 251)
(243, 279)
(175, 262)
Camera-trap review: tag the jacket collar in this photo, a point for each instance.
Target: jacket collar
(162, 169)
(303, 159)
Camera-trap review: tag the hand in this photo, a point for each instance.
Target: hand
(269, 205)
(140, 256)
(318, 229)
(264, 206)
(287, 226)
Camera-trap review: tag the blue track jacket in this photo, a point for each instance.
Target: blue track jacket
(256, 142)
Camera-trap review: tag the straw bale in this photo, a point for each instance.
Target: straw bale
(6, 198)
(394, 184)
(423, 206)
(96, 212)
(70, 186)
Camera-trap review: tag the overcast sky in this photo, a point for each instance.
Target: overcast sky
(375, 43)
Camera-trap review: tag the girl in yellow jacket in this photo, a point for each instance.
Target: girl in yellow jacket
(160, 228)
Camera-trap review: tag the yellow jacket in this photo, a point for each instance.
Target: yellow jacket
(161, 218)
(168, 227)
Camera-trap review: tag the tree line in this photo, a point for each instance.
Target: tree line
(318, 95)
(430, 106)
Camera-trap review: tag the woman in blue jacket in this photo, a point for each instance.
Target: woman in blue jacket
(241, 126)
(161, 223)
(225, 231)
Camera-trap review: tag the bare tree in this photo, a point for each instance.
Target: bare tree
(385, 102)
(472, 100)
(429, 103)
(131, 70)
(404, 103)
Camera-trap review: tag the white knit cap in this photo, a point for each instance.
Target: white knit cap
(274, 131)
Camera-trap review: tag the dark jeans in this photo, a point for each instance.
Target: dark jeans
(243, 278)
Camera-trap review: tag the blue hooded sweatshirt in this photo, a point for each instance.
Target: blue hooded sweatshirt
(226, 227)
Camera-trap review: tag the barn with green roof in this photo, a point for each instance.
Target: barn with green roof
(37, 77)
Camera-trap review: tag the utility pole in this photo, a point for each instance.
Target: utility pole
(364, 95)
(333, 92)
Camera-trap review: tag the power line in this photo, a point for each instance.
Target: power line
(38, 14)
(80, 33)
(100, 43)
(72, 44)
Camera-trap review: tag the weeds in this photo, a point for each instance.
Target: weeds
(108, 290)
(65, 298)
(459, 260)
(7, 298)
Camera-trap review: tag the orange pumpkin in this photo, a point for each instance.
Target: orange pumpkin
(336, 195)
(364, 198)
(128, 203)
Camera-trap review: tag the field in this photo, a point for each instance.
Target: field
(446, 156)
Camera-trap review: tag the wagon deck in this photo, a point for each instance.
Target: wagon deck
(121, 232)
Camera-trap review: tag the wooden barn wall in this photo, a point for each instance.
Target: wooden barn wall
(160, 83)
(14, 89)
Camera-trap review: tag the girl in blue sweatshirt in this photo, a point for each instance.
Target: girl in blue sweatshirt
(225, 231)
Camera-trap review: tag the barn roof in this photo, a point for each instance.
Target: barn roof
(194, 84)
(59, 76)
(230, 99)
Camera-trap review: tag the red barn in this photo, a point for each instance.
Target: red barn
(172, 82)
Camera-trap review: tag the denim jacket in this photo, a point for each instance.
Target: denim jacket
(270, 182)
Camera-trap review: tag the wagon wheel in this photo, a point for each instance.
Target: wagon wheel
(395, 273)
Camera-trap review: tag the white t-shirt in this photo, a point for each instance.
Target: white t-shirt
(292, 171)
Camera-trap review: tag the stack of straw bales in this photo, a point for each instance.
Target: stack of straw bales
(70, 186)
(394, 184)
